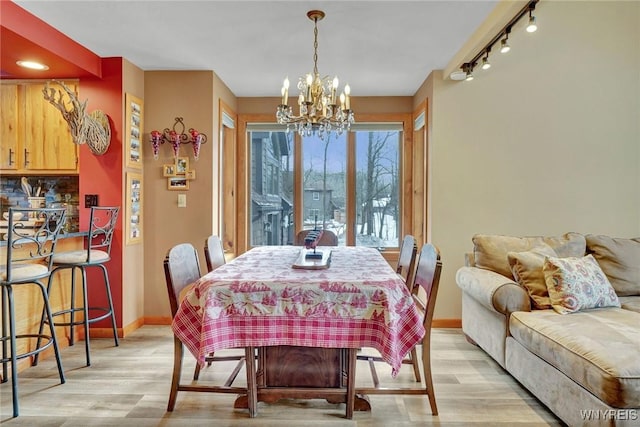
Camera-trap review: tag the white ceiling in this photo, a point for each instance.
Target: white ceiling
(381, 48)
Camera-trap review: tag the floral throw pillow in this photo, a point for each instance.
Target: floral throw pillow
(577, 283)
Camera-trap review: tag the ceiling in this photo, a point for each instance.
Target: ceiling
(381, 48)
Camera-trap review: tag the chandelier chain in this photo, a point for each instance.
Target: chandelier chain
(315, 46)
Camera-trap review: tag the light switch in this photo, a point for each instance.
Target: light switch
(182, 200)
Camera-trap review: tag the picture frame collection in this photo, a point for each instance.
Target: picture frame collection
(178, 174)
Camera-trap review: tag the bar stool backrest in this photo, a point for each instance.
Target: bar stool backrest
(102, 224)
(38, 229)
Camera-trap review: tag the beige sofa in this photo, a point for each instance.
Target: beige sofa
(584, 365)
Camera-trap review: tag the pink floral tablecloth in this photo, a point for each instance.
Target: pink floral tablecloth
(258, 300)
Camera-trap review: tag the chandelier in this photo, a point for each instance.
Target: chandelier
(319, 111)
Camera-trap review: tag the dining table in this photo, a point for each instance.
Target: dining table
(303, 321)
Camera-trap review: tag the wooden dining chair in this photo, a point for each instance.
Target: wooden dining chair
(182, 268)
(426, 279)
(328, 238)
(213, 252)
(407, 259)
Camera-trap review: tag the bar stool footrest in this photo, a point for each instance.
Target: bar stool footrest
(48, 342)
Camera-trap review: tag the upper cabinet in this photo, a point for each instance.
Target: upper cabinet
(35, 137)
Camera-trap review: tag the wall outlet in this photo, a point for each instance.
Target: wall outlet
(90, 200)
(182, 200)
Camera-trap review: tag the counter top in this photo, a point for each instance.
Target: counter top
(60, 236)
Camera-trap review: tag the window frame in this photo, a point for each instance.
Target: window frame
(405, 177)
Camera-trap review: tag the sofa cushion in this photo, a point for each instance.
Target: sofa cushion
(490, 251)
(526, 268)
(598, 349)
(630, 303)
(577, 283)
(619, 259)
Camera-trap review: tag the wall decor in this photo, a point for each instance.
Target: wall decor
(190, 174)
(93, 129)
(176, 137)
(134, 131)
(177, 183)
(133, 220)
(182, 165)
(169, 170)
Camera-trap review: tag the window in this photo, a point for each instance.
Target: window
(349, 184)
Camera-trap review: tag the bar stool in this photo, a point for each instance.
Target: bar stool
(31, 237)
(102, 223)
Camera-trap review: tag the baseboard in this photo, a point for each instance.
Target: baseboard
(157, 320)
(446, 323)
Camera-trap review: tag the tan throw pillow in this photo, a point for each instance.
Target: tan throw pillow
(620, 261)
(577, 283)
(490, 251)
(527, 270)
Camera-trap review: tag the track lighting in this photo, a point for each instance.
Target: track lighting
(502, 36)
(485, 62)
(468, 70)
(532, 27)
(504, 44)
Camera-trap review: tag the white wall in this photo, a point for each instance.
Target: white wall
(547, 141)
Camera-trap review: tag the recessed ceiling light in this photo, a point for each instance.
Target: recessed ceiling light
(32, 65)
(458, 75)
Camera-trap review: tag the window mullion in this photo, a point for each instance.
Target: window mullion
(298, 190)
(351, 189)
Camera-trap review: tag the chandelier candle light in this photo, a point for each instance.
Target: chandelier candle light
(319, 110)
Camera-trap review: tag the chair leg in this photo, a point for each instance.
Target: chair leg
(113, 315)
(252, 384)
(52, 328)
(428, 380)
(352, 355)
(5, 371)
(12, 348)
(43, 319)
(85, 312)
(414, 362)
(178, 352)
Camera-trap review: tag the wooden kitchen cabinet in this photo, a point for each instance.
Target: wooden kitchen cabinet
(35, 136)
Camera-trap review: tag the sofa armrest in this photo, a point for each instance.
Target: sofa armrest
(493, 290)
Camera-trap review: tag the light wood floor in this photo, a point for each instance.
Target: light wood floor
(129, 386)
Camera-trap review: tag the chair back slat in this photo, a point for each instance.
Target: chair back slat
(36, 229)
(427, 278)
(213, 253)
(181, 268)
(102, 224)
(328, 238)
(407, 258)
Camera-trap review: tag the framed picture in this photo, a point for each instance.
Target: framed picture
(182, 165)
(190, 174)
(169, 170)
(134, 132)
(133, 220)
(177, 183)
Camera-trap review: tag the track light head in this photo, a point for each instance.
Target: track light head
(532, 26)
(485, 62)
(504, 45)
(468, 70)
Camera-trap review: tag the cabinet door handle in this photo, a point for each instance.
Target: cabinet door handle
(10, 157)
(26, 157)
